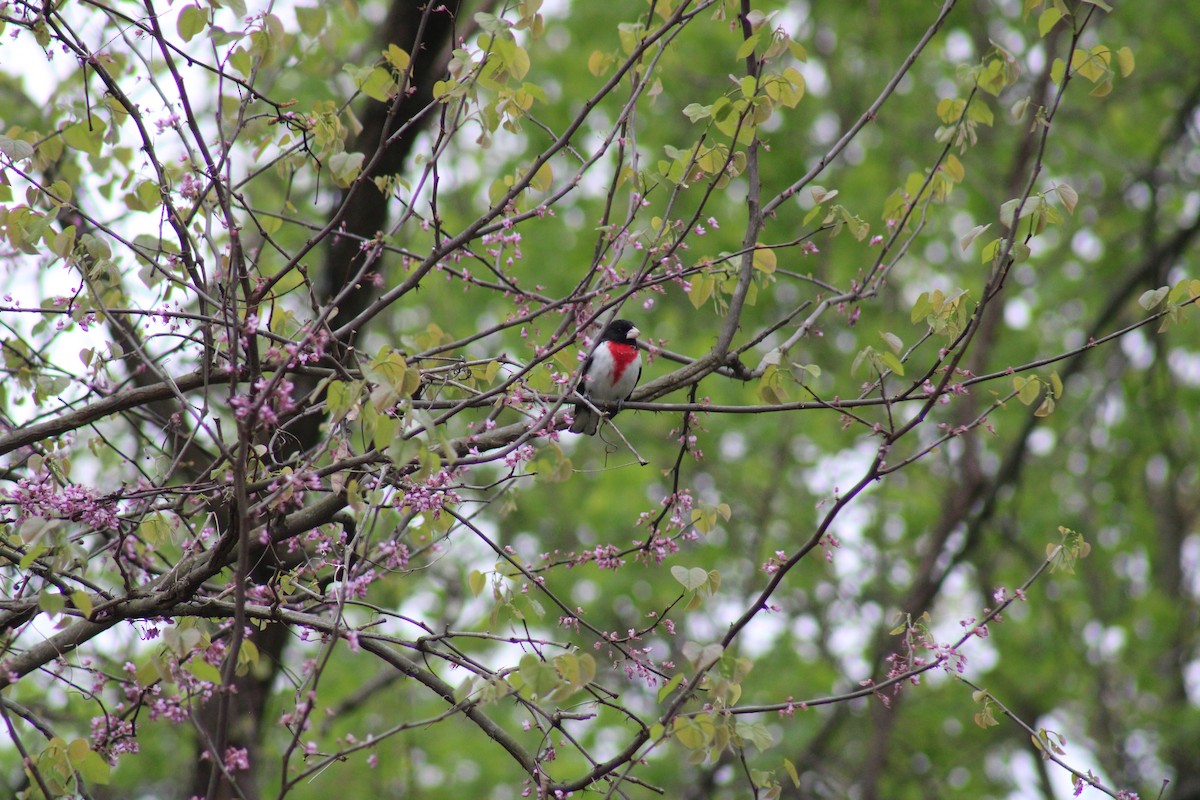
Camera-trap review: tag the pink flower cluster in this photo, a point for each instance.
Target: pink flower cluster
(434, 494)
(255, 408)
(40, 497)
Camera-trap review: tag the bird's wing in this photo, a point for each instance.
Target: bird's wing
(636, 378)
(581, 387)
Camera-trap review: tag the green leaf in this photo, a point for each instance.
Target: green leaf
(1048, 19)
(1028, 389)
(539, 677)
(1125, 61)
(1068, 197)
(241, 60)
(311, 19)
(1017, 111)
(813, 371)
(85, 136)
(669, 687)
(270, 225)
(148, 673)
(971, 235)
(857, 226)
(791, 771)
(518, 63)
(51, 602)
(598, 63)
(1063, 556)
(155, 528)
(15, 149)
(345, 167)
(771, 394)
(1058, 71)
(1089, 64)
(890, 361)
(385, 430)
(82, 601)
(192, 20)
(749, 86)
(714, 576)
(1150, 299)
(861, 357)
(764, 259)
(398, 57)
(820, 194)
(791, 92)
(747, 48)
(587, 668)
(379, 85)
(692, 579)
(203, 670)
(248, 656)
(985, 718)
(688, 734)
(700, 289)
(491, 23)
(394, 379)
(149, 194)
(477, 581)
(90, 765)
(953, 168)
(922, 308)
(543, 179)
(1010, 213)
(982, 114)
(64, 242)
(77, 750)
(444, 90)
(949, 110)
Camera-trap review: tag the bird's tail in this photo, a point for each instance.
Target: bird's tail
(586, 421)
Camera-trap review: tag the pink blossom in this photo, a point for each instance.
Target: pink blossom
(40, 497)
(237, 759)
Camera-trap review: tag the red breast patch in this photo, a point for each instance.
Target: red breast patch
(623, 355)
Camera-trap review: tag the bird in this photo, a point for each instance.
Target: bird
(609, 374)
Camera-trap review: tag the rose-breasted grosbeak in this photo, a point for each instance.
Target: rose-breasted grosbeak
(609, 374)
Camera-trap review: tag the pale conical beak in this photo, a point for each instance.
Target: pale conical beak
(633, 333)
